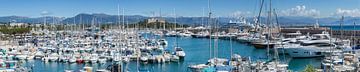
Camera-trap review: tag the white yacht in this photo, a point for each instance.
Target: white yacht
(87, 57)
(30, 57)
(201, 34)
(174, 58)
(45, 58)
(53, 57)
(94, 58)
(269, 66)
(39, 54)
(72, 60)
(144, 57)
(162, 42)
(180, 52)
(21, 56)
(167, 56)
(64, 58)
(171, 34)
(185, 33)
(312, 48)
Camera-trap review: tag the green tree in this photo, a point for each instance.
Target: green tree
(309, 68)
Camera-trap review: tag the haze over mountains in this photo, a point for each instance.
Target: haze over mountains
(112, 19)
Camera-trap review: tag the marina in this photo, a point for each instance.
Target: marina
(267, 39)
(50, 60)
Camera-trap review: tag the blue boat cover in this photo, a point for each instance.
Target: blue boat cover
(223, 68)
(209, 69)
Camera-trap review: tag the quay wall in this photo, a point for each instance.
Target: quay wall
(304, 30)
(346, 34)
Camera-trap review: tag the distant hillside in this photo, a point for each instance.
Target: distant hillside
(102, 18)
(113, 19)
(30, 20)
(348, 20)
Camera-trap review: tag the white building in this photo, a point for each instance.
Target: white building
(152, 20)
(18, 24)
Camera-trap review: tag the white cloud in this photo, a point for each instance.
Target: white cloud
(45, 13)
(240, 14)
(347, 12)
(300, 11)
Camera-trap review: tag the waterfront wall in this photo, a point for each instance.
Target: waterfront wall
(304, 30)
(346, 34)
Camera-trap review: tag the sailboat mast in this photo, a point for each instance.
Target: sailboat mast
(118, 23)
(342, 33)
(123, 18)
(280, 34)
(72, 27)
(52, 25)
(331, 49)
(176, 43)
(210, 32)
(231, 48)
(202, 18)
(81, 24)
(161, 22)
(118, 13)
(44, 22)
(353, 36)
(268, 32)
(341, 27)
(257, 23)
(138, 53)
(216, 38)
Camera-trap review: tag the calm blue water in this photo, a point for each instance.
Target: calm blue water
(347, 27)
(197, 51)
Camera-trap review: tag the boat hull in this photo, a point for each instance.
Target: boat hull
(304, 52)
(262, 46)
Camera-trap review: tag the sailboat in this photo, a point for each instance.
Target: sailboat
(179, 52)
(272, 64)
(214, 64)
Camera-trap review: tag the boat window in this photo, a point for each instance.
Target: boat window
(324, 45)
(285, 40)
(293, 42)
(318, 53)
(308, 44)
(295, 52)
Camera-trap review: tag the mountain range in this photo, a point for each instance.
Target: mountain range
(99, 18)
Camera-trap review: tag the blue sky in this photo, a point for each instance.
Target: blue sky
(223, 8)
